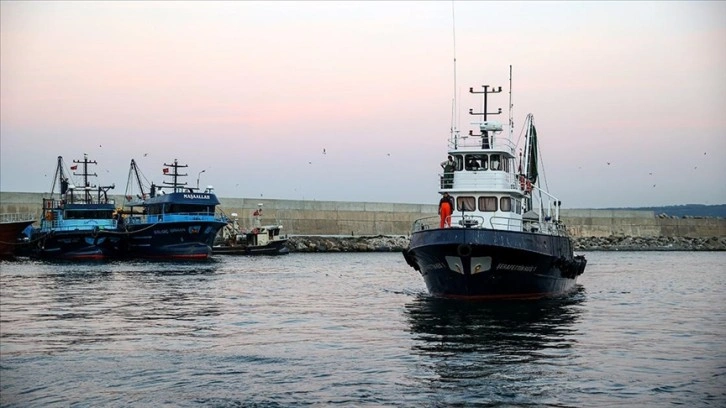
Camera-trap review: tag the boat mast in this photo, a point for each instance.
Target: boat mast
(59, 177)
(484, 93)
(484, 133)
(175, 185)
(86, 185)
(134, 173)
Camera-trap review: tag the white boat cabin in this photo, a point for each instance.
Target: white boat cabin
(492, 186)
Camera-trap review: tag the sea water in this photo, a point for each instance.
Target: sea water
(358, 329)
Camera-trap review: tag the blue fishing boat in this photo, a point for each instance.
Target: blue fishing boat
(498, 234)
(171, 221)
(80, 222)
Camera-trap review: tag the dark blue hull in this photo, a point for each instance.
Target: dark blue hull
(172, 240)
(482, 263)
(77, 245)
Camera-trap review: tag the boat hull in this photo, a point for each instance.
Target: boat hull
(490, 264)
(77, 245)
(172, 240)
(272, 248)
(9, 233)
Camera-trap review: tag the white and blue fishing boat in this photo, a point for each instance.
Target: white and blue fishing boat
(259, 239)
(80, 222)
(504, 238)
(171, 221)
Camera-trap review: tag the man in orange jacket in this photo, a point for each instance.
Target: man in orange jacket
(446, 206)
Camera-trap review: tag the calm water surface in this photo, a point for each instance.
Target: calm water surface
(643, 328)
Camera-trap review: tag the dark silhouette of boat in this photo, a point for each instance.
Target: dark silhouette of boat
(178, 224)
(12, 239)
(80, 222)
(504, 238)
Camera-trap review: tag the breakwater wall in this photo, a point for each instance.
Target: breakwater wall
(341, 218)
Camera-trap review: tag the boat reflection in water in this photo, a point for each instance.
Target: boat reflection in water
(504, 351)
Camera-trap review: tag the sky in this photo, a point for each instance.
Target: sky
(353, 101)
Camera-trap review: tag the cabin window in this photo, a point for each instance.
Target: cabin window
(495, 162)
(473, 162)
(517, 206)
(466, 204)
(505, 164)
(459, 160)
(505, 204)
(487, 204)
(88, 214)
(484, 162)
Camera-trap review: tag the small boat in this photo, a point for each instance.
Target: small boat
(258, 240)
(180, 224)
(79, 223)
(12, 239)
(503, 237)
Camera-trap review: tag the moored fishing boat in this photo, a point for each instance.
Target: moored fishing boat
(178, 224)
(12, 226)
(79, 223)
(260, 239)
(503, 237)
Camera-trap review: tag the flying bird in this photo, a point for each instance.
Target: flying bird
(146, 154)
(323, 150)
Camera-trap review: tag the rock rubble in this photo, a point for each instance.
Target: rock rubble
(396, 243)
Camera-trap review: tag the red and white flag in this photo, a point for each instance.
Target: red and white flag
(166, 170)
(74, 167)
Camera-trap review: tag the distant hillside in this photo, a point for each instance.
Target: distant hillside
(691, 210)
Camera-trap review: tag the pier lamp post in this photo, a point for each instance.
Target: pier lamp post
(199, 175)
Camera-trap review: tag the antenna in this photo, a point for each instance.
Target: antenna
(454, 125)
(511, 107)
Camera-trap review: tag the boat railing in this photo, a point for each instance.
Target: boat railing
(174, 217)
(495, 142)
(16, 217)
(77, 225)
(426, 223)
(548, 205)
(480, 180)
(470, 221)
(506, 223)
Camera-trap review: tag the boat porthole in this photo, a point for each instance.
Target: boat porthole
(463, 250)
